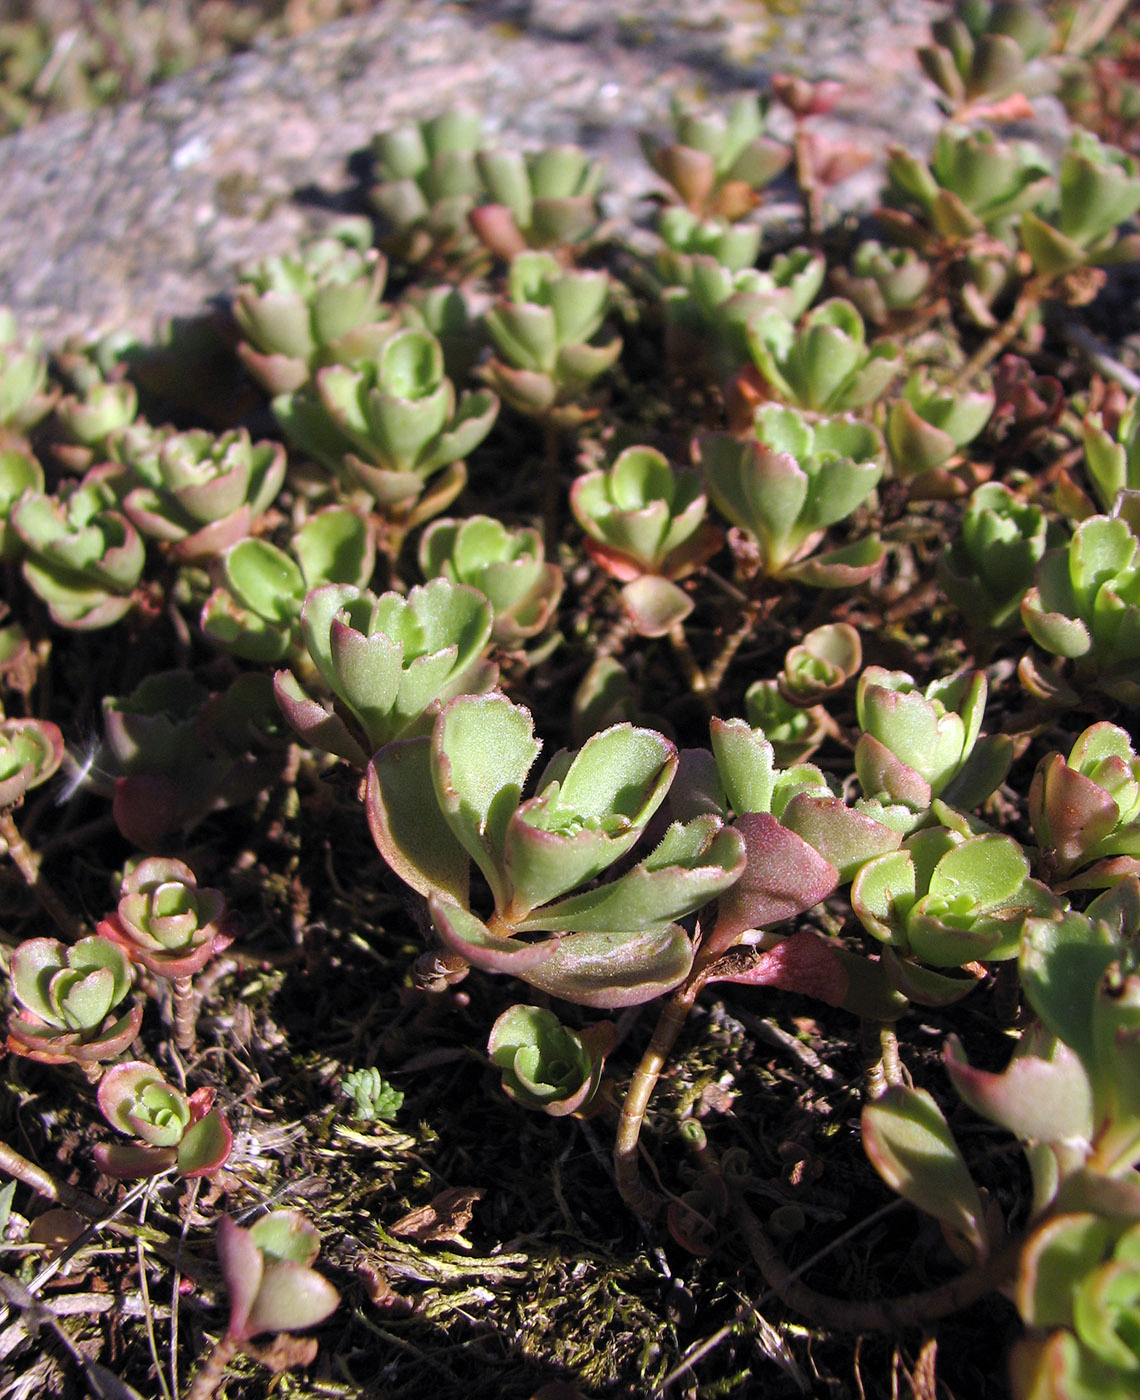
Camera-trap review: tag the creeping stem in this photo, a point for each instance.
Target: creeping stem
(633, 1190)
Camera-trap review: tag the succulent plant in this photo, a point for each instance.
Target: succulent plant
(980, 50)
(887, 286)
(1084, 604)
(733, 246)
(390, 661)
(793, 732)
(24, 395)
(987, 570)
(507, 566)
(543, 332)
(1098, 189)
(167, 765)
(437, 803)
(20, 472)
(427, 185)
(716, 165)
(926, 427)
(272, 1287)
(821, 664)
(256, 611)
(546, 1065)
(544, 200)
(172, 1129)
(31, 751)
(788, 482)
(1085, 810)
(318, 306)
(102, 405)
(391, 423)
(82, 556)
(944, 900)
(973, 183)
(824, 364)
(165, 921)
(202, 493)
(69, 999)
(917, 745)
(645, 525)
(1112, 461)
(708, 311)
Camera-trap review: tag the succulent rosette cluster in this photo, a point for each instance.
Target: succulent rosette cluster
(888, 286)
(1084, 605)
(390, 661)
(25, 397)
(821, 664)
(255, 612)
(919, 744)
(172, 1130)
(165, 921)
(320, 305)
(426, 186)
(70, 1001)
(31, 751)
(988, 569)
(1085, 809)
(546, 1065)
(20, 473)
(172, 753)
(718, 165)
(708, 304)
(823, 364)
(546, 199)
(436, 803)
(645, 525)
(1098, 189)
(201, 493)
(509, 567)
(973, 182)
(543, 334)
(981, 50)
(948, 899)
(926, 429)
(788, 481)
(1112, 460)
(82, 555)
(390, 423)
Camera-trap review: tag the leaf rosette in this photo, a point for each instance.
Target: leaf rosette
(69, 999)
(437, 804)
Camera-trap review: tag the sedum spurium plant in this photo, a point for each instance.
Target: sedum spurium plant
(171, 1129)
(674, 851)
(390, 661)
(437, 803)
(790, 479)
(71, 1001)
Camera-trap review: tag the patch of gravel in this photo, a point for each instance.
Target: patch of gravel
(131, 215)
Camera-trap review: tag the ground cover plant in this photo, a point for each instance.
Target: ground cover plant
(585, 841)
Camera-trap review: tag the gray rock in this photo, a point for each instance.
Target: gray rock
(133, 215)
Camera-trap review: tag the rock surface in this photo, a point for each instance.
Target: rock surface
(129, 216)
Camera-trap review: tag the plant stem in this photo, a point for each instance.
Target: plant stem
(205, 1384)
(44, 1184)
(185, 1012)
(633, 1190)
(750, 615)
(1007, 332)
(697, 681)
(871, 1315)
(27, 863)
